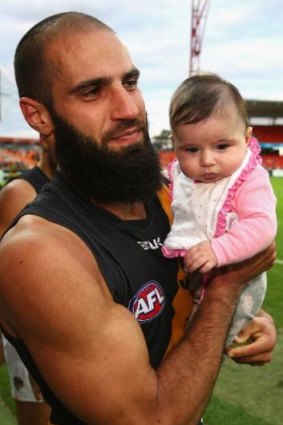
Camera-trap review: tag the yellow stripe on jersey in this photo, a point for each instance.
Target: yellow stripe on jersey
(182, 302)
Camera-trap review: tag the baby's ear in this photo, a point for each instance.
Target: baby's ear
(248, 134)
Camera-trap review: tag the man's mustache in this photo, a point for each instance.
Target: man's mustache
(121, 127)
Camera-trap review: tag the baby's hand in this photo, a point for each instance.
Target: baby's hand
(200, 257)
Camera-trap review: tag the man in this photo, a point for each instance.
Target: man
(102, 305)
(30, 406)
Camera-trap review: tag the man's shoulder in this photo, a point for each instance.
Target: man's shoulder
(36, 237)
(32, 252)
(35, 245)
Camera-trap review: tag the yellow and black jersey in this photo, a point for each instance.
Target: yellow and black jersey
(130, 259)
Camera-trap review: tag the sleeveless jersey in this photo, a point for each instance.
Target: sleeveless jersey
(129, 257)
(35, 177)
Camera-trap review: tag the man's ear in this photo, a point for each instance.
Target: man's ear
(37, 116)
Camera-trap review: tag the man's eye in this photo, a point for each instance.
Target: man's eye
(91, 92)
(131, 84)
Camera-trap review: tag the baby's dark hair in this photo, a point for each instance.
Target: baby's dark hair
(200, 96)
(33, 73)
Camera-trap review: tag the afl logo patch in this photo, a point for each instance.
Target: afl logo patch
(148, 303)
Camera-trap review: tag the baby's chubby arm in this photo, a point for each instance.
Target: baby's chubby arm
(200, 257)
(256, 228)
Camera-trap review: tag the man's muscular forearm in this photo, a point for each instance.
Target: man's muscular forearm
(187, 376)
(194, 365)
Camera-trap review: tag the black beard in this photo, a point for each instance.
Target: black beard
(99, 174)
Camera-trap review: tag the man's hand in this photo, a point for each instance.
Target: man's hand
(200, 257)
(259, 339)
(246, 270)
(260, 333)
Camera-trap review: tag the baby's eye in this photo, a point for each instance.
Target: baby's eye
(192, 150)
(222, 146)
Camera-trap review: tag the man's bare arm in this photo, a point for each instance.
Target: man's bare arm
(100, 367)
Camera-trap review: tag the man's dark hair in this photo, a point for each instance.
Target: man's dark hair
(33, 73)
(200, 96)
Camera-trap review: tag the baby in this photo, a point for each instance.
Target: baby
(223, 203)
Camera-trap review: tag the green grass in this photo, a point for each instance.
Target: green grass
(274, 298)
(277, 183)
(7, 404)
(246, 395)
(243, 395)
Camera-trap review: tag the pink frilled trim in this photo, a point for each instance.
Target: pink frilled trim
(254, 160)
(172, 253)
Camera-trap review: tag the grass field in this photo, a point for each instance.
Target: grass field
(243, 395)
(7, 405)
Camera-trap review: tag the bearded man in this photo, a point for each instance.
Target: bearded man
(95, 311)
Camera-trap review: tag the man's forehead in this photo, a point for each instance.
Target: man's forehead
(83, 42)
(99, 50)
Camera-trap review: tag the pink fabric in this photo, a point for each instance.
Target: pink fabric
(252, 199)
(253, 162)
(172, 253)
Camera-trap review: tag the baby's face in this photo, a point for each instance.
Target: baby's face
(212, 149)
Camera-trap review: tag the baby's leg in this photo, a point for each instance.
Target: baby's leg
(249, 304)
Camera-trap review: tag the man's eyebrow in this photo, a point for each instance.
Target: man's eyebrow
(102, 81)
(134, 72)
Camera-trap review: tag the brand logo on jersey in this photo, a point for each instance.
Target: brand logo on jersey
(148, 303)
(154, 244)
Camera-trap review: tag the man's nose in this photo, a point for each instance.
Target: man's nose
(123, 104)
